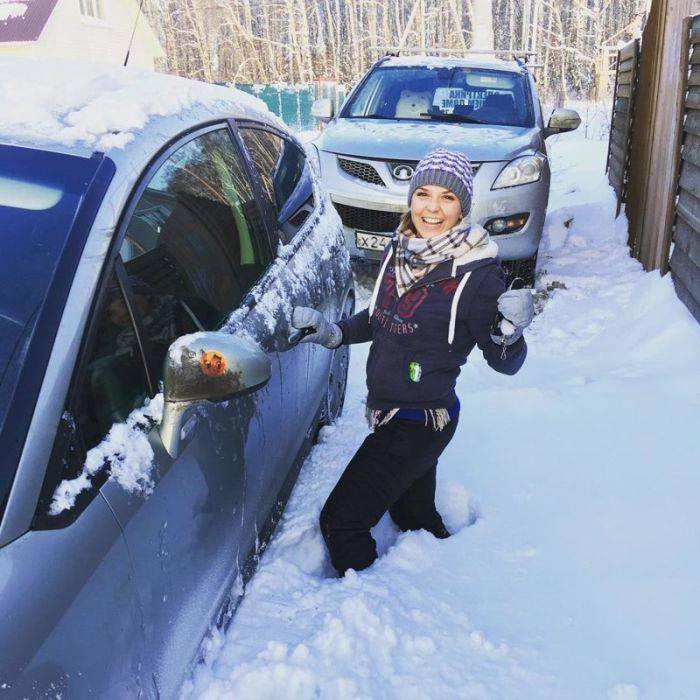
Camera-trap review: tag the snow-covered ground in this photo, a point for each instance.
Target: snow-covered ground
(572, 491)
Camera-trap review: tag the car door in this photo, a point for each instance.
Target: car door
(74, 620)
(316, 260)
(193, 245)
(57, 636)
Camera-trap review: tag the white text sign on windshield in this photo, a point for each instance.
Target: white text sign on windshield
(446, 99)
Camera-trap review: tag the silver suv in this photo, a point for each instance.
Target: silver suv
(403, 107)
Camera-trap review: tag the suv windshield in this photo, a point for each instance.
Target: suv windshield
(471, 95)
(40, 194)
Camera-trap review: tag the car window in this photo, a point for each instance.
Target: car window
(42, 234)
(477, 95)
(285, 179)
(111, 383)
(40, 194)
(195, 243)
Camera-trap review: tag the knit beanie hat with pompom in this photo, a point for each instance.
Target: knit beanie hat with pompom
(447, 169)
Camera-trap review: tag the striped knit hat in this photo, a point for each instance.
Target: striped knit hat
(447, 169)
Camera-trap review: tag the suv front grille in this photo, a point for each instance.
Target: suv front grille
(362, 171)
(368, 219)
(413, 164)
(367, 172)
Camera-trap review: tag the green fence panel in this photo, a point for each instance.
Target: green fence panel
(292, 103)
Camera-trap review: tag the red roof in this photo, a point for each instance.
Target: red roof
(28, 26)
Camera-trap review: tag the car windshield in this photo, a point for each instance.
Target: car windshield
(470, 95)
(40, 193)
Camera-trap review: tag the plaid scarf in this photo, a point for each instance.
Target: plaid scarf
(416, 256)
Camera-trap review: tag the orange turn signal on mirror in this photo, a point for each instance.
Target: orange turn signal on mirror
(212, 363)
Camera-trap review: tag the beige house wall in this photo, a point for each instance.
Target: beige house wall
(68, 34)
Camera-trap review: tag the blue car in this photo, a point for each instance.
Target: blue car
(154, 407)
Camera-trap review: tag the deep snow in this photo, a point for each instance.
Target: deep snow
(101, 106)
(579, 575)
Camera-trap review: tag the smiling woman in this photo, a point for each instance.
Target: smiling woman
(422, 328)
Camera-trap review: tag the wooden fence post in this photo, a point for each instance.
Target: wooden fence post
(612, 116)
(622, 120)
(684, 68)
(685, 259)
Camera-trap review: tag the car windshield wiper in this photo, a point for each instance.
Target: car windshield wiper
(373, 116)
(451, 117)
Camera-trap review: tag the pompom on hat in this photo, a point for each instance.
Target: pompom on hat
(447, 169)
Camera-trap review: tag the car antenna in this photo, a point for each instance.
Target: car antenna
(133, 33)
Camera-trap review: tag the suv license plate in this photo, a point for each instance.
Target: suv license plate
(371, 241)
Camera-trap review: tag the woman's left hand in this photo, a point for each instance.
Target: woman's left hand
(517, 307)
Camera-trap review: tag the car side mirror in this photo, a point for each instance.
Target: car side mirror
(562, 120)
(322, 109)
(207, 367)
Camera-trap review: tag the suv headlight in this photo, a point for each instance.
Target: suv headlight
(520, 171)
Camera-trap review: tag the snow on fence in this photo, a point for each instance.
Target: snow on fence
(685, 259)
(622, 120)
(292, 103)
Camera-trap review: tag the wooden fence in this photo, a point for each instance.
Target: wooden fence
(685, 259)
(654, 150)
(622, 120)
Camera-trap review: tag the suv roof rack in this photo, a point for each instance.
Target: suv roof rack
(518, 56)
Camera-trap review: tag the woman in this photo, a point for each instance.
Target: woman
(439, 292)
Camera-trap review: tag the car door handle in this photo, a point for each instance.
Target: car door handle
(296, 336)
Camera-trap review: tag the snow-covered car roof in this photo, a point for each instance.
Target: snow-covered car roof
(469, 61)
(126, 113)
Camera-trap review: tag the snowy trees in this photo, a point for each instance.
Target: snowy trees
(305, 40)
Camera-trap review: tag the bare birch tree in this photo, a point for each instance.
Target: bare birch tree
(269, 41)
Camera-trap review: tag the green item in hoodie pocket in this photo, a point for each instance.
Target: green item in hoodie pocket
(414, 371)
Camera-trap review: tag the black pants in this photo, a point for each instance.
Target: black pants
(393, 470)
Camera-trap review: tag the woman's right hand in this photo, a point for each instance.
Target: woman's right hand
(315, 328)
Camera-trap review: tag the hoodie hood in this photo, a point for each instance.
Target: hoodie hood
(393, 139)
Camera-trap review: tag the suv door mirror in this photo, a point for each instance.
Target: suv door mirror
(322, 109)
(562, 120)
(207, 367)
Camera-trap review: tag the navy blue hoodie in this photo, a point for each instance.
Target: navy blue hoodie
(412, 363)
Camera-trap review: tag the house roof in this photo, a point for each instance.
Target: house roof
(24, 20)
